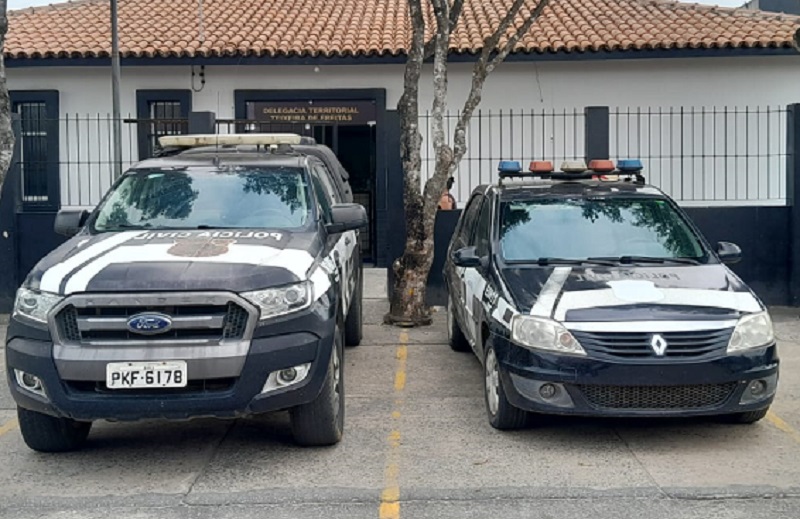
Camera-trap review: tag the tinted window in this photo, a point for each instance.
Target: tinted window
(468, 220)
(585, 228)
(328, 182)
(323, 198)
(482, 236)
(207, 198)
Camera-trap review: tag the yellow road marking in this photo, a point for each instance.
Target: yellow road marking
(8, 426)
(390, 496)
(778, 422)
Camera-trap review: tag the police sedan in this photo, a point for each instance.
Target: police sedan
(592, 293)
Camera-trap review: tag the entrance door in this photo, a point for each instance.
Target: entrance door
(356, 151)
(356, 148)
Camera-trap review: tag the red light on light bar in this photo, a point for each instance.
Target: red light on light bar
(540, 166)
(601, 166)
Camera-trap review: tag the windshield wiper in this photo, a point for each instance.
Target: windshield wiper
(567, 261)
(130, 227)
(648, 259)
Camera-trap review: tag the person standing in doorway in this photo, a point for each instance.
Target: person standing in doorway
(447, 202)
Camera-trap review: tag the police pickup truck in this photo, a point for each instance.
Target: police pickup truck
(590, 293)
(221, 279)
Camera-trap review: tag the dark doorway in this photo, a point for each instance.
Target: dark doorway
(355, 146)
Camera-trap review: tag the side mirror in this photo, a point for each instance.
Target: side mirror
(347, 217)
(69, 222)
(729, 253)
(466, 257)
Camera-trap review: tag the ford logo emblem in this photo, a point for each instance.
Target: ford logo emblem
(150, 324)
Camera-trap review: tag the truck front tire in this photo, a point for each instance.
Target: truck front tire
(45, 433)
(354, 324)
(321, 422)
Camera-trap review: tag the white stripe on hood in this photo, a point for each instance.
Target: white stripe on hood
(52, 278)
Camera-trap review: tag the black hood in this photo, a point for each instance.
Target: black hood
(235, 260)
(668, 292)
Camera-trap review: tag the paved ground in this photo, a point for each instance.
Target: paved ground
(416, 428)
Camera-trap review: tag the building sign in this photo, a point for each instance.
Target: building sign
(315, 112)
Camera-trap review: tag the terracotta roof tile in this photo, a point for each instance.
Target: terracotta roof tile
(150, 28)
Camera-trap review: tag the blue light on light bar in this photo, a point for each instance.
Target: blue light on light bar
(509, 166)
(631, 165)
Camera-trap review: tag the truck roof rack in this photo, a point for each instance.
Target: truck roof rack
(252, 139)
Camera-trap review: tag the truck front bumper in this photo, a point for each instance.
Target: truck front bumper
(227, 397)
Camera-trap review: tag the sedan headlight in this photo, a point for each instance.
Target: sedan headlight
(544, 334)
(281, 300)
(752, 331)
(34, 305)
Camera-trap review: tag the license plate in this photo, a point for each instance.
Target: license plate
(137, 375)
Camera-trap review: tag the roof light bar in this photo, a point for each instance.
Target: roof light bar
(509, 166)
(601, 166)
(252, 139)
(540, 166)
(630, 165)
(573, 166)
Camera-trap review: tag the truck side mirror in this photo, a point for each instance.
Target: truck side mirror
(729, 253)
(69, 222)
(466, 257)
(347, 217)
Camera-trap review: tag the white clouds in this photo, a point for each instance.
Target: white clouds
(19, 4)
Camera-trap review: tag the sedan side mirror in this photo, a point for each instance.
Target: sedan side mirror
(729, 253)
(466, 257)
(69, 222)
(347, 217)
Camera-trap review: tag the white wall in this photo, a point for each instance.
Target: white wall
(619, 84)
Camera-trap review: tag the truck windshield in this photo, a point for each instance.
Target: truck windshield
(207, 198)
(616, 229)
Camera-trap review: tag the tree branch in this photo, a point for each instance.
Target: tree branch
(521, 32)
(443, 153)
(6, 131)
(455, 15)
(485, 64)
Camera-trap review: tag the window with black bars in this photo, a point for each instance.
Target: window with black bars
(33, 150)
(165, 119)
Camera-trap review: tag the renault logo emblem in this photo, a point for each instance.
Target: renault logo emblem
(659, 345)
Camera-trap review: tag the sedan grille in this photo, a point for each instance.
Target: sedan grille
(699, 396)
(633, 345)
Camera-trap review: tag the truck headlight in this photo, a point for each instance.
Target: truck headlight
(752, 331)
(544, 334)
(34, 305)
(273, 302)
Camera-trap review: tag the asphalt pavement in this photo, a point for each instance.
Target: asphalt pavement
(417, 444)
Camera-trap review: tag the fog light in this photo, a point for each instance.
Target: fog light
(759, 390)
(286, 377)
(29, 382)
(548, 391)
(757, 387)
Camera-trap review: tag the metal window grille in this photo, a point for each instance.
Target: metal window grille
(33, 150)
(707, 155)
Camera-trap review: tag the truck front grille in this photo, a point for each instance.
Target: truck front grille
(84, 321)
(699, 396)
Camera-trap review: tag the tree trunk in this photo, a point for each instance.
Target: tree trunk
(6, 132)
(408, 306)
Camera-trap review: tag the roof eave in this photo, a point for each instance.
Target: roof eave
(377, 59)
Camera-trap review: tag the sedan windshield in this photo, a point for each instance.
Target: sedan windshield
(207, 198)
(631, 230)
